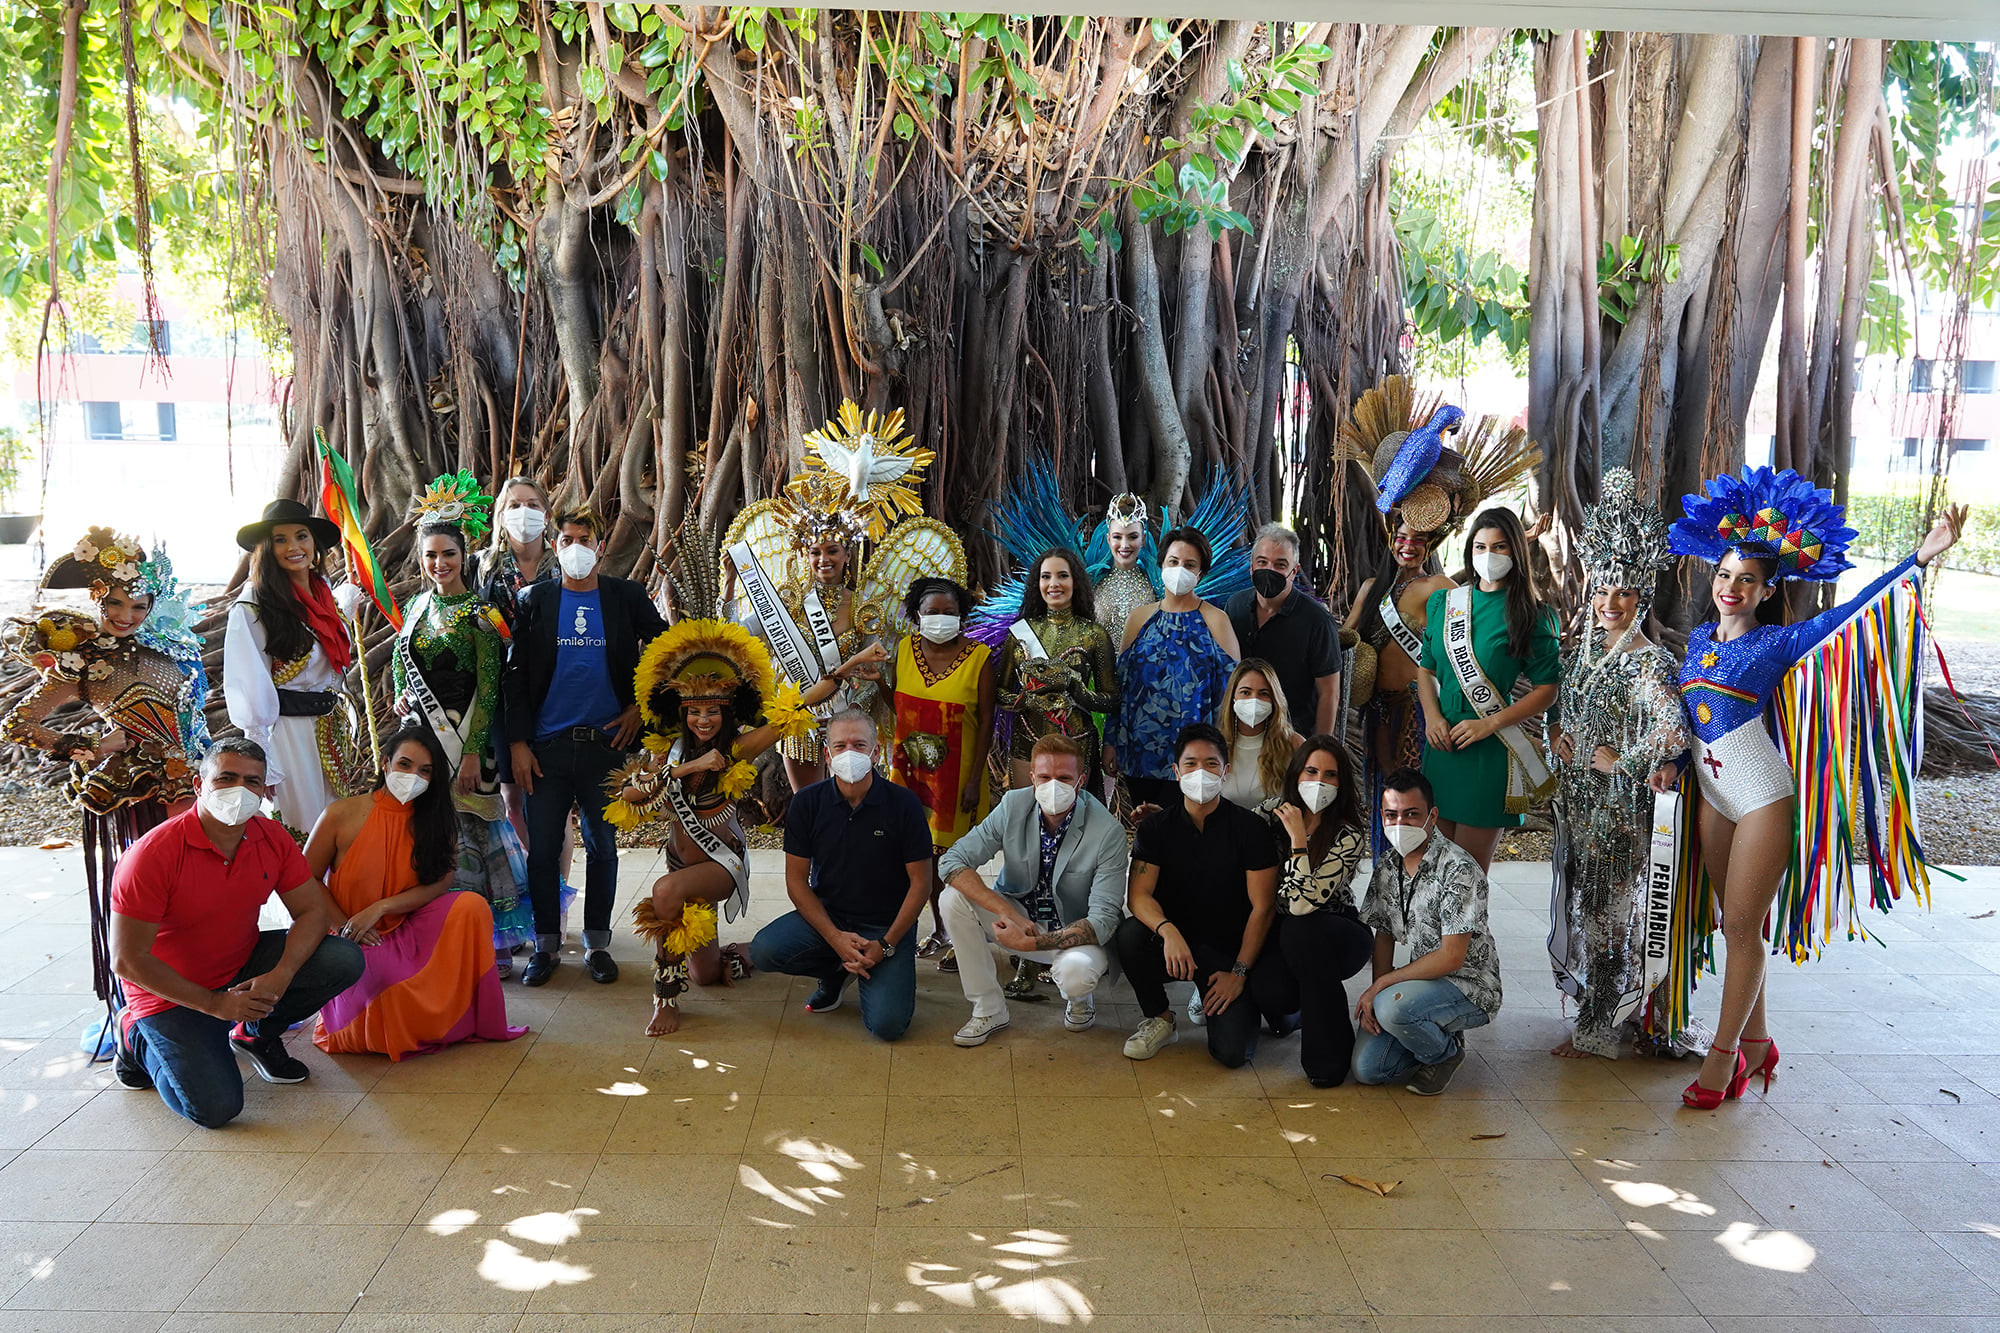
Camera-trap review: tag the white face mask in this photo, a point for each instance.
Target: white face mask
(1251, 712)
(1406, 838)
(939, 629)
(231, 805)
(577, 561)
(1201, 786)
(405, 787)
(1179, 579)
(1492, 565)
(1317, 796)
(1055, 797)
(850, 765)
(524, 525)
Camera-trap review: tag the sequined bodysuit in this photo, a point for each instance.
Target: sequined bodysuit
(1115, 593)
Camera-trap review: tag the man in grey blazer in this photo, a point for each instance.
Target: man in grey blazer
(1061, 893)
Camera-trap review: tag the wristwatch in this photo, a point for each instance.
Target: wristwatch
(1239, 969)
(888, 949)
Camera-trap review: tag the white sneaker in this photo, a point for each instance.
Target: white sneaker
(1080, 1014)
(1151, 1035)
(977, 1029)
(1196, 1014)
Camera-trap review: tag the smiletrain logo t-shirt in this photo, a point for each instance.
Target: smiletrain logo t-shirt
(580, 693)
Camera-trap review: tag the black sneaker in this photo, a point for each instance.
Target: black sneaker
(126, 1066)
(1430, 1080)
(603, 968)
(829, 995)
(274, 1064)
(541, 966)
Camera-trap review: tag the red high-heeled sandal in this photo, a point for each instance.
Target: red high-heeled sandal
(1707, 1099)
(1769, 1067)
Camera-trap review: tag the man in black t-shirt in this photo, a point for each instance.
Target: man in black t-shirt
(1279, 622)
(1202, 898)
(858, 869)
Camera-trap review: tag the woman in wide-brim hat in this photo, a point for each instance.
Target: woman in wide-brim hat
(284, 662)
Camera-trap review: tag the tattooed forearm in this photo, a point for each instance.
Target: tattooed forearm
(1069, 937)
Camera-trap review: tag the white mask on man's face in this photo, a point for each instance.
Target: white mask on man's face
(1317, 795)
(405, 787)
(1179, 579)
(1251, 712)
(1054, 796)
(231, 805)
(850, 765)
(577, 560)
(1201, 786)
(1406, 838)
(1492, 565)
(524, 525)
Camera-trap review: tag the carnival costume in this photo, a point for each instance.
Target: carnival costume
(1055, 672)
(937, 732)
(1433, 488)
(446, 670)
(149, 684)
(1609, 938)
(698, 661)
(858, 488)
(1844, 689)
(297, 710)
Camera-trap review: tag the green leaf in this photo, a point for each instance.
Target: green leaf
(906, 129)
(868, 254)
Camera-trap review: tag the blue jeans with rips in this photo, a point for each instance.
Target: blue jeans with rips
(888, 994)
(188, 1054)
(1420, 1023)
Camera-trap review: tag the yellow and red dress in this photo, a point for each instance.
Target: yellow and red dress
(937, 725)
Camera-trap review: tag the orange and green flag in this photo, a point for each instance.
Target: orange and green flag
(336, 496)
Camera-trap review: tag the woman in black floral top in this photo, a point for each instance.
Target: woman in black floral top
(1319, 830)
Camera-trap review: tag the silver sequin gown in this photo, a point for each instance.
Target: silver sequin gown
(1116, 594)
(1604, 824)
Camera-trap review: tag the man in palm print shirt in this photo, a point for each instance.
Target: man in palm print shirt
(1430, 895)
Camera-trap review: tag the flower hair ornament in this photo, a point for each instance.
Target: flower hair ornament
(455, 498)
(101, 561)
(1767, 515)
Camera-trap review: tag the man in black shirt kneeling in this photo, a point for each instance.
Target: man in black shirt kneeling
(1202, 899)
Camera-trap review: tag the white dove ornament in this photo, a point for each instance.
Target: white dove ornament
(861, 465)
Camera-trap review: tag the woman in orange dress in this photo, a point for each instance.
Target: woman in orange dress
(430, 979)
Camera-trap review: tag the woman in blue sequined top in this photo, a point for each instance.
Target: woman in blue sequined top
(1765, 527)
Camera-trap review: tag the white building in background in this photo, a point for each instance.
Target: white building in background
(183, 457)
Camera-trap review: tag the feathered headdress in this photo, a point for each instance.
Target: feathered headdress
(1431, 486)
(873, 465)
(713, 661)
(1770, 515)
(455, 498)
(1624, 539)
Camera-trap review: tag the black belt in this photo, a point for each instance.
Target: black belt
(592, 735)
(306, 703)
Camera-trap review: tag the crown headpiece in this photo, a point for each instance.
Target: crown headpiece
(1770, 515)
(1125, 510)
(1624, 539)
(873, 462)
(455, 497)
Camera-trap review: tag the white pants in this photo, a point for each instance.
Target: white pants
(1076, 971)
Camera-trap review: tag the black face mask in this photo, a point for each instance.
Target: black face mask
(1268, 582)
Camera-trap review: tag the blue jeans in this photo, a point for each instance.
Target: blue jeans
(1420, 1023)
(188, 1053)
(573, 774)
(888, 993)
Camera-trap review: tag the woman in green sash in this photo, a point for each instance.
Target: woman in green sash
(1479, 639)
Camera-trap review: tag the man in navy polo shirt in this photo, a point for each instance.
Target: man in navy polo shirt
(858, 869)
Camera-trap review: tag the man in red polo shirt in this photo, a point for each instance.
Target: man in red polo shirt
(201, 981)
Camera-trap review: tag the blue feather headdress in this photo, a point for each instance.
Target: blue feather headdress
(1777, 516)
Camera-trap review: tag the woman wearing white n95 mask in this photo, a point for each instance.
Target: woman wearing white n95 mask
(1173, 663)
(1322, 836)
(388, 859)
(1257, 723)
(1479, 639)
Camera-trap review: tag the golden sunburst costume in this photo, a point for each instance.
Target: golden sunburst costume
(146, 687)
(699, 662)
(858, 487)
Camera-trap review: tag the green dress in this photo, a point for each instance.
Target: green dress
(1471, 784)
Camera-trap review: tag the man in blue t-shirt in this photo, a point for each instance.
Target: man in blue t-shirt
(571, 719)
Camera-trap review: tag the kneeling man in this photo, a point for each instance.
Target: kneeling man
(1060, 895)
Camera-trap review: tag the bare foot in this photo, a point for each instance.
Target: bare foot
(666, 1019)
(1568, 1050)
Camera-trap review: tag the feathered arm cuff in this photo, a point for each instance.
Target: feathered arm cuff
(640, 775)
(737, 780)
(788, 714)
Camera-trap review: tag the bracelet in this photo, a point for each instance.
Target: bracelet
(1157, 929)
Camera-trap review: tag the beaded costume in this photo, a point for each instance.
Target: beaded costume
(1627, 699)
(699, 661)
(149, 685)
(446, 669)
(1059, 692)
